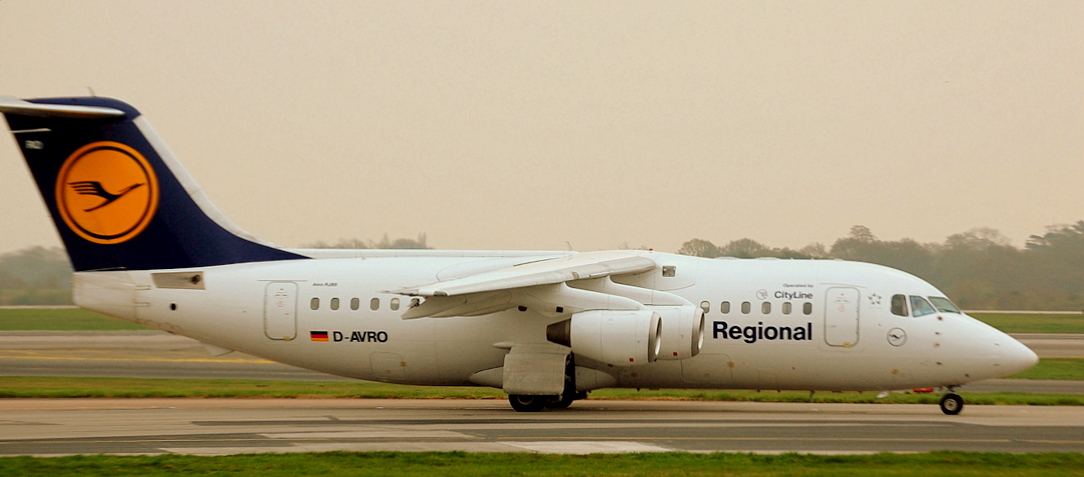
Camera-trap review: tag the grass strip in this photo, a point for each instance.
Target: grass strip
(1015, 399)
(464, 464)
(69, 387)
(1033, 322)
(60, 319)
(1067, 369)
(66, 387)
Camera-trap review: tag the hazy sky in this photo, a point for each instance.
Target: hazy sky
(505, 125)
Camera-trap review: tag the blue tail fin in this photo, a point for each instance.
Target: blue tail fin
(118, 197)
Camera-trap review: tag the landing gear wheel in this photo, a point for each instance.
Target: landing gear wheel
(569, 394)
(529, 403)
(952, 404)
(561, 402)
(566, 400)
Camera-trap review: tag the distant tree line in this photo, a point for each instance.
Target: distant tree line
(35, 276)
(384, 243)
(979, 269)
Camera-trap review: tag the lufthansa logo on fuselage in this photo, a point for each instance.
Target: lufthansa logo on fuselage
(106, 192)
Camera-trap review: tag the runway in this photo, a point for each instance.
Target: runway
(230, 426)
(156, 354)
(48, 427)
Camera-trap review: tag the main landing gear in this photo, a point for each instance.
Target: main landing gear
(952, 404)
(531, 403)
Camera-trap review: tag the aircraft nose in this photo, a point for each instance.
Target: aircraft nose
(1017, 356)
(1003, 353)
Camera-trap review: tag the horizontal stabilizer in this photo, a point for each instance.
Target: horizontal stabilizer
(12, 105)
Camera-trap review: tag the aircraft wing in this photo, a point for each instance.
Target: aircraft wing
(546, 272)
(498, 290)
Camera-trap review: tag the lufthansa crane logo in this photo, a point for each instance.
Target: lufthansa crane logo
(106, 192)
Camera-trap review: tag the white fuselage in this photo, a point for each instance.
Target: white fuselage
(770, 324)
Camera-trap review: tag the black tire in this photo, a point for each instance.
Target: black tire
(566, 400)
(529, 403)
(561, 402)
(952, 404)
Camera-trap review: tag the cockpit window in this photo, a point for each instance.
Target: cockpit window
(899, 305)
(944, 305)
(921, 307)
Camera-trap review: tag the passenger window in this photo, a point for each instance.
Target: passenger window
(944, 305)
(766, 308)
(724, 307)
(704, 305)
(899, 305)
(394, 304)
(355, 304)
(334, 303)
(746, 307)
(374, 304)
(786, 307)
(921, 307)
(807, 308)
(314, 303)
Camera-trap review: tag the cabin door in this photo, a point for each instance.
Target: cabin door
(280, 311)
(841, 316)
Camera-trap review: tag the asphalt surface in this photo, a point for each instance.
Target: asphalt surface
(47, 427)
(44, 427)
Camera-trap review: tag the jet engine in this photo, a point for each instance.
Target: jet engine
(616, 337)
(684, 333)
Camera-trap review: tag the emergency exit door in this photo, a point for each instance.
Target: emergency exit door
(841, 317)
(280, 311)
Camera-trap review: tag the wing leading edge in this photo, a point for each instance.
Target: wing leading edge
(499, 290)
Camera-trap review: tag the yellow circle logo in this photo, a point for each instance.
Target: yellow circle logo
(107, 192)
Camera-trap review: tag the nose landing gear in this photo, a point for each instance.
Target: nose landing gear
(952, 404)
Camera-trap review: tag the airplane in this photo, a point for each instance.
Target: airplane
(546, 327)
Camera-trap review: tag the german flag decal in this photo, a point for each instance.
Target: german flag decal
(318, 335)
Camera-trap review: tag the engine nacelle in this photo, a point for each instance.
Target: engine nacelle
(683, 335)
(620, 338)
